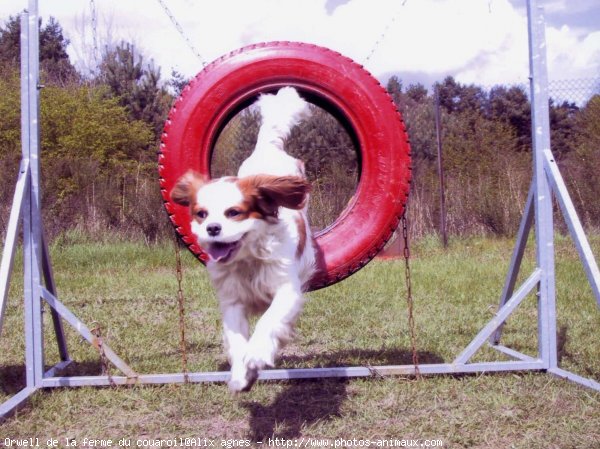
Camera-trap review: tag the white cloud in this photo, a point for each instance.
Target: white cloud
(573, 57)
(478, 41)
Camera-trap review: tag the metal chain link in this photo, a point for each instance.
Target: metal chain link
(384, 33)
(409, 297)
(182, 33)
(97, 332)
(181, 303)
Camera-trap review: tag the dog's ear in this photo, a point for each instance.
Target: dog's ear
(186, 187)
(271, 192)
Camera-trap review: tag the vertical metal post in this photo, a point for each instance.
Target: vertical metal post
(25, 130)
(438, 133)
(32, 226)
(544, 228)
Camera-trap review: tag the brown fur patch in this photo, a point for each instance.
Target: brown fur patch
(266, 193)
(301, 224)
(186, 187)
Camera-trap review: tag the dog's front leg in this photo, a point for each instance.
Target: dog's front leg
(276, 327)
(235, 337)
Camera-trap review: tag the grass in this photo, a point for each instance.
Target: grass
(130, 290)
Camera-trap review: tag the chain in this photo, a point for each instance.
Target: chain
(97, 332)
(181, 302)
(384, 33)
(181, 32)
(409, 297)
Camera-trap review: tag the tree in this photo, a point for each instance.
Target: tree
(486, 177)
(511, 106)
(121, 70)
(563, 127)
(10, 42)
(177, 82)
(54, 59)
(582, 163)
(136, 85)
(151, 102)
(55, 66)
(456, 97)
(92, 151)
(394, 88)
(417, 93)
(10, 125)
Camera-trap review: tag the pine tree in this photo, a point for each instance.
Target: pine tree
(55, 66)
(136, 85)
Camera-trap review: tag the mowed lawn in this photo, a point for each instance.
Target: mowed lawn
(130, 291)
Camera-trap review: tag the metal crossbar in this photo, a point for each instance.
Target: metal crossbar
(39, 283)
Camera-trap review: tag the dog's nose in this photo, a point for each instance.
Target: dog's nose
(213, 229)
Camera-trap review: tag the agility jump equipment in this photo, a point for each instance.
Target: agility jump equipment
(332, 81)
(39, 281)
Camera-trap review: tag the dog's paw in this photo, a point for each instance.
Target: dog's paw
(259, 357)
(242, 381)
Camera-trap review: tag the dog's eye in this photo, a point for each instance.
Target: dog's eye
(202, 214)
(231, 213)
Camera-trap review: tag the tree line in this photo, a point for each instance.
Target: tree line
(101, 132)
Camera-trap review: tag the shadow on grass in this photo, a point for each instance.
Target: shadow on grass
(301, 404)
(12, 379)
(306, 402)
(359, 357)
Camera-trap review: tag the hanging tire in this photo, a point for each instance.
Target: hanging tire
(329, 80)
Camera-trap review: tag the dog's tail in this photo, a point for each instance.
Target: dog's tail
(280, 113)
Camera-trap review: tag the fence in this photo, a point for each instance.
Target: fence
(485, 142)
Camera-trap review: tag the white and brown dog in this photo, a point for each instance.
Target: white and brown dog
(255, 229)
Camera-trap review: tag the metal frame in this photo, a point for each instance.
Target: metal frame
(39, 283)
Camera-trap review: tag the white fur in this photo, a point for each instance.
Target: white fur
(279, 115)
(266, 274)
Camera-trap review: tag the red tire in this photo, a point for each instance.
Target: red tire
(323, 77)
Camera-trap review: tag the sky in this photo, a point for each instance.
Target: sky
(475, 41)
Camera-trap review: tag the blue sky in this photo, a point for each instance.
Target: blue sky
(476, 41)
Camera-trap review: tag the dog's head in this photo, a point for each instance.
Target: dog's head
(227, 211)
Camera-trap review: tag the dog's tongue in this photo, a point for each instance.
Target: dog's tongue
(219, 251)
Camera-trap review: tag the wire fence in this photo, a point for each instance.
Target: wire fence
(485, 143)
(578, 91)
(485, 146)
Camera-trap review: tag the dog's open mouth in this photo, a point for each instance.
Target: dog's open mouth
(223, 251)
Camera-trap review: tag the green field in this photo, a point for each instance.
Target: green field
(129, 289)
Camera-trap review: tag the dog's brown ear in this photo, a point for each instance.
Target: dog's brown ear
(186, 187)
(271, 192)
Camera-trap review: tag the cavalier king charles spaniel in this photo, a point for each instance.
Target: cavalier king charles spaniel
(255, 231)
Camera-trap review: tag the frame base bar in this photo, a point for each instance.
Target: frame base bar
(18, 401)
(298, 373)
(590, 383)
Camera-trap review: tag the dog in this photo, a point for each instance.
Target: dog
(255, 230)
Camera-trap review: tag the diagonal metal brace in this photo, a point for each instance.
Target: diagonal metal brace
(500, 318)
(12, 231)
(573, 223)
(84, 331)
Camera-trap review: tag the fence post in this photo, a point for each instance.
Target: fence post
(440, 164)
